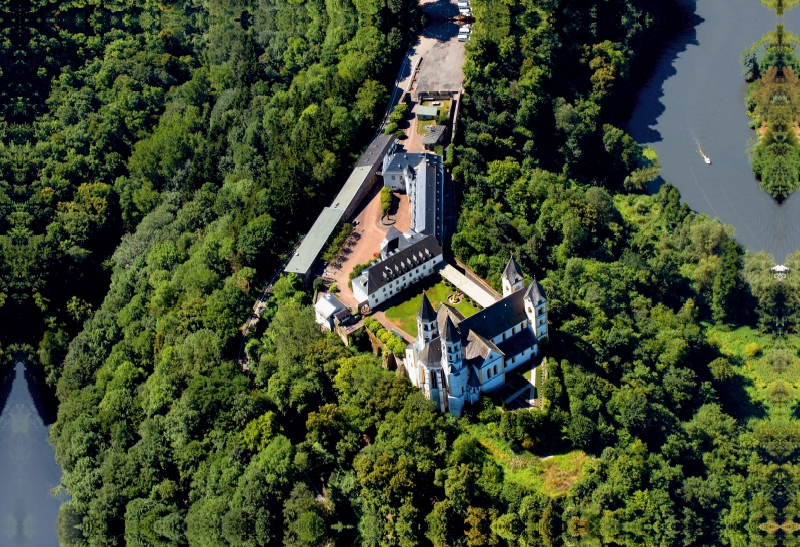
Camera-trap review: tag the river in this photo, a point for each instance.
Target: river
(697, 92)
(28, 470)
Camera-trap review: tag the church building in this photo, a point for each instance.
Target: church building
(454, 359)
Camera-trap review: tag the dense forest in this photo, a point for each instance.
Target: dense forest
(773, 101)
(177, 153)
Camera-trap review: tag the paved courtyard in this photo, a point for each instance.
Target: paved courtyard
(367, 237)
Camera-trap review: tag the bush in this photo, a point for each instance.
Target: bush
(387, 197)
(400, 134)
(358, 268)
(333, 288)
(752, 349)
(335, 246)
(390, 129)
(399, 113)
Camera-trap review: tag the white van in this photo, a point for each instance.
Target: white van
(463, 30)
(463, 4)
(464, 11)
(463, 37)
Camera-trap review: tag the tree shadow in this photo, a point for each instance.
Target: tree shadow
(440, 10)
(647, 106)
(736, 400)
(441, 32)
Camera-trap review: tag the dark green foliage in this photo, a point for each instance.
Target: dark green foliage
(387, 198)
(772, 101)
(247, 119)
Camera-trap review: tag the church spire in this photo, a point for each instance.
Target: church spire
(427, 328)
(426, 313)
(512, 277)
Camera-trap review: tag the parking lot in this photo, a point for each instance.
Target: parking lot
(442, 58)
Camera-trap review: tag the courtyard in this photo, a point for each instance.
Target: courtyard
(369, 232)
(404, 314)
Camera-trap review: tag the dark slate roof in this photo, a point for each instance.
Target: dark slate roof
(443, 312)
(426, 206)
(450, 333)
(426, 313)
(395, 241)
(342, 315)
(433, 134)
(500, 316)
(477, 349)
(402, 159)
(431, 354)
(376, 150)
(536, 293)
(517, 343)
(512, 271)
(397, 263)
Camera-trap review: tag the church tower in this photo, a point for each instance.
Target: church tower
(452, 363)
(452, 345)
(536, 309)
(512, 278)
(427, 329)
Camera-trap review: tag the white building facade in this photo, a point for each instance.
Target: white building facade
(405, 260)
(454, 359)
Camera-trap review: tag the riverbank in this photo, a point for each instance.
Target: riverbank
(697, 89)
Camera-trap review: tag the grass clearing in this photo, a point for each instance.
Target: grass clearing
(552, 475)
(422, 124)
(768, 367)
(404, 314)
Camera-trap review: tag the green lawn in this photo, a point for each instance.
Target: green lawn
(421, 124)
(443, 108)
(404, 315)
(551, 475)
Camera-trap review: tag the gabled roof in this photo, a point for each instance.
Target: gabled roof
(499, 317)
(512, 271)
(431, 354)
(478, 348)
(433, 134)
(397, 263)
(329, 305)
(535, 293)
(518, 343)
(398, 162)
(426, 313)
(450, 333)
(444, 311)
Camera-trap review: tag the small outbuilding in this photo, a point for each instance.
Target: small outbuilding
(434, 136)
(331, 312)
(427, 112)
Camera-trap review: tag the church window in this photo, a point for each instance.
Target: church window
(495, 369)
(504, 336)
(514, 359)
(513, 330)
(433, 380)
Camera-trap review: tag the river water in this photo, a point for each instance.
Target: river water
(28, 470)
(697, 94)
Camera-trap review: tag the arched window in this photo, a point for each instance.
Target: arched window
(495, 369)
